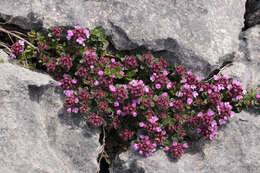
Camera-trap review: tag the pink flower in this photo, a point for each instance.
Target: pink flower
(75, 110)
(210, 113)
(153, 119)
(21, 42)
(116, 104)
(180, 94)
(198, 78)
(169, 85)
(198, 130)
(146, 89)
(165, 72)
(112, 88)
(69, 34)
(189, 72)
(195, 94)
(157, 86)
(216, 77)
(185, 145)
(134, 114)
(87, 53)
(174, 144)
(141, 124)
(100, 73)
(74, 81)
(166, 149)
(189, 101)
(225, 76)
(96, 83)
(69, 110)
(186, 86)
(122, 73)
(184, 80)
(163, 132)
(135, 147)
(165, 94)
(158, 129)
(118, 112)
(229, 87)
(113, 60)
(59, 83)
(200, 114)
(68, 92)
(152, 78)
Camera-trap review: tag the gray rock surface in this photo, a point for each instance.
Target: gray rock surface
(4, 56)
(235, 149)
(246, 67)
(36, 136)
(196, 33)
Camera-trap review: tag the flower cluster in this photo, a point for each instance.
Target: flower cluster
(130, 95)
(17, 49)
(145, 147)
(79, 35)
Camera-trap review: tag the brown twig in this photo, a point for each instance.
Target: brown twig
(17, 36)
(10, 38)
(108, 55)
(5, 45)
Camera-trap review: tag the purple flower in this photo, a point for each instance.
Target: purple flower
(169, 85)
(112, 88)
(118, 112)
(185, 145)
(157, 86)
(69, 110)
(74, 81)
(174, 144)
(195, 94)
(59, 83)
(153, 119)
(21, 42)
(166, 148)
(69, 34)
(165, 72)
(141, 124)
(96, 83)
(189, 101)
(116, 104)
(135, 147)
(75, 110)
(68, 92)
(186, 86)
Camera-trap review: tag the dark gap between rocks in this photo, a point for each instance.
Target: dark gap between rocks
(252, 14)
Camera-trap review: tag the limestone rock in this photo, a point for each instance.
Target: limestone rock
(36, 135)
(195, 33)
(235, 149)
(247, 67)
(3, 56)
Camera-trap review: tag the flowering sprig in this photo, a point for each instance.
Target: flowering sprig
(132, 95)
